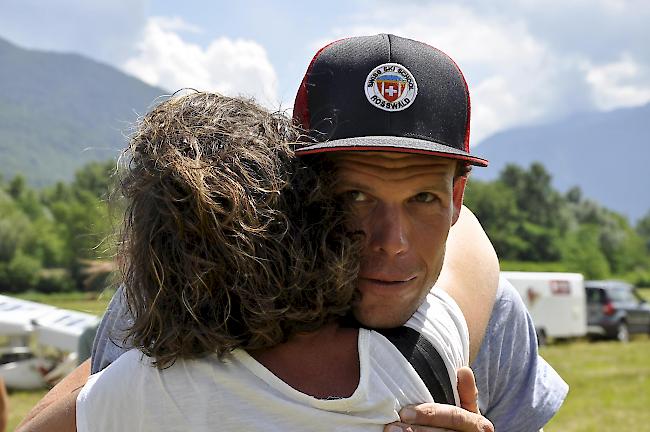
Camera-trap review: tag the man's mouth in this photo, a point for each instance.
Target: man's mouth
(390, 289)
(387, 281)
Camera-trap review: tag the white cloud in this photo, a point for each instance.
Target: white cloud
(176, 24)
(518, 71)
(526, 61)
(510, 72)
(622, 83)
(232, 67)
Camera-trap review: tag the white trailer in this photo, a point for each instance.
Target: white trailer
(555, 301)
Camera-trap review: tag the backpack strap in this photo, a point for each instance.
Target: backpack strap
(426, 361)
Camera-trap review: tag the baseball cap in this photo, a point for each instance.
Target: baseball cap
(384, 93)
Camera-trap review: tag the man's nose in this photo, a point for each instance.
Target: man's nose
(389, 231)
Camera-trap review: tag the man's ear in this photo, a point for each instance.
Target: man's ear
(458, 193)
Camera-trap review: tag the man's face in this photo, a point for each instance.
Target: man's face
(404, 204)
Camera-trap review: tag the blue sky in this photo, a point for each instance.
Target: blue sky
(526, 61)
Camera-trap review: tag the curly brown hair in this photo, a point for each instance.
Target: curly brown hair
(229, 241)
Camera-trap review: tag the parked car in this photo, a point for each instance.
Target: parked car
(615, 310)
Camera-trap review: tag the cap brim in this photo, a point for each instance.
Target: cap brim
(393, 144)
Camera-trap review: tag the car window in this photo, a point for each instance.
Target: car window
(595, 296)
(621, 295)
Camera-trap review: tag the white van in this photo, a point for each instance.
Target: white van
(556, 302)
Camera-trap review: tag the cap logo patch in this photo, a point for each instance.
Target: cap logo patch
(391, 87)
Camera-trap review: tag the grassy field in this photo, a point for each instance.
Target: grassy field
(89, 302)
(645, 293)
(609, 381)
(20, 402)
(609, 384)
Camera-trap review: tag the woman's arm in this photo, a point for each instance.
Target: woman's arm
(470, 274)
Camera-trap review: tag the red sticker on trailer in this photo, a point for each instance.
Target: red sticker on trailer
(560, 287)
(532, 295)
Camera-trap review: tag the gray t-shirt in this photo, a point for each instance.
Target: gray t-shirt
(518, 390)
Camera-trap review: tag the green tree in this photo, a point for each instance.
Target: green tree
(643, 229)
(17, 186)
(48, 243)
(581, 253)
(621, 245)
(15, 228)
(495, 205)
(536, 198)
(96, 178)
(85, 228)
(22, 273)
(529, 221)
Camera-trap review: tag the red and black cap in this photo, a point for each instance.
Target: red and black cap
(387, 93)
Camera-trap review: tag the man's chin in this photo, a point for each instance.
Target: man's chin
(379, 319)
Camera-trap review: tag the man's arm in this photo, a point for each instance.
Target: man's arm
(470, 274)
(518, 390)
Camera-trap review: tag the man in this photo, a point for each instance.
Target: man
(374, 103)
(393, 114)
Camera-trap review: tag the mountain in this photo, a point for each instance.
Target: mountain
(59, 111)
(606, 154)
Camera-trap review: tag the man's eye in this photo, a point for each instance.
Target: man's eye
(355, 196)
(424, 197)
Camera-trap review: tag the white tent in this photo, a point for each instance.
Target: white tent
(61, 328)
(50, 327)
(53, 327)
(17, 316)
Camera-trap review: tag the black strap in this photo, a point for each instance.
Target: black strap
(426, 361)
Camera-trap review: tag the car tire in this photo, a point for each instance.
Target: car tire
(542, 340)
(622, 332)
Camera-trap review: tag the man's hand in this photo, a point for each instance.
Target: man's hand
(467, 390)
(432, 417)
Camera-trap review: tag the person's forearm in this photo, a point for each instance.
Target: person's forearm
(4, 406)
(59, 416)
(58, 404)
(470, 274)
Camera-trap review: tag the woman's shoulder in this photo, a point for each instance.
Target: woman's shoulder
(125, 372)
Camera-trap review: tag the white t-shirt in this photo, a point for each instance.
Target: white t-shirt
(239, 393)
